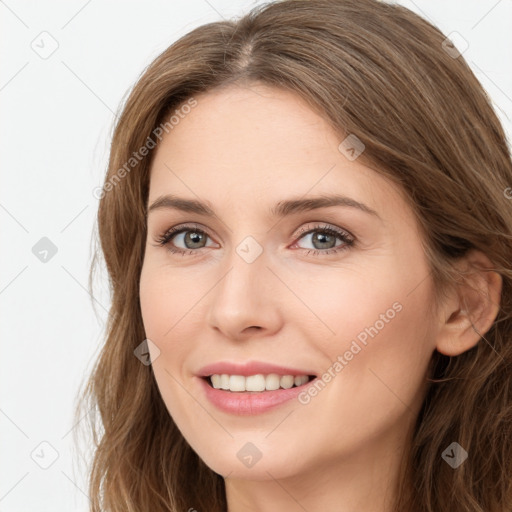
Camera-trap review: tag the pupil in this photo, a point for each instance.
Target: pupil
(193, 236)
(321, 237)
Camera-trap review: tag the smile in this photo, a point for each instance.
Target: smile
(258, 382)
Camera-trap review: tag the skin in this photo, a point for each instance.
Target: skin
(244, 149)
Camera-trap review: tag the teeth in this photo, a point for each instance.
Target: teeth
(224, 381)
(236, 383)
(298, 381)
(257, 382)
(272, 382)
(286, 381)
(253, 382)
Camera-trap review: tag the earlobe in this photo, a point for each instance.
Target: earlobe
(472, 307)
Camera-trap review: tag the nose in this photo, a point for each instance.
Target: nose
(244, 303)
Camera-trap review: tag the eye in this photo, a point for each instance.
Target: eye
(192, 236)
(324, 238)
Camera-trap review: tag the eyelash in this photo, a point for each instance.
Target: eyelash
(341, 234)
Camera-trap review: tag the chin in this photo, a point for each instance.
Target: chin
(244, 463)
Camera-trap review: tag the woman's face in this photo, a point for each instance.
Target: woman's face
(261, 281)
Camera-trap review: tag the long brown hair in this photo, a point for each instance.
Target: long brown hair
(382, 73)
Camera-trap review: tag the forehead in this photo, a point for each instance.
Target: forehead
(249, 122)
(244, 142)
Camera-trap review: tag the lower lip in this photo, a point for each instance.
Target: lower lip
(249, 402)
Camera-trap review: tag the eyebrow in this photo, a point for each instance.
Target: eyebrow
(281, 209)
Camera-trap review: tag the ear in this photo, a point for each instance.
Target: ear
(471, 307)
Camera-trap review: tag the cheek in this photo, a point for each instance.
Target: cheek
(376, 322)
(168, 316)
(378, 358)
(166, 301)
(166, 322)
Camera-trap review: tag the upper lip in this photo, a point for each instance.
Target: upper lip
(249, 368)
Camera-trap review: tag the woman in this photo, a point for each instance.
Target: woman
(307, 229)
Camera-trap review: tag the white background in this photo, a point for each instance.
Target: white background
(57, 117)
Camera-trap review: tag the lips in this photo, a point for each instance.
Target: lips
(241, 403)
